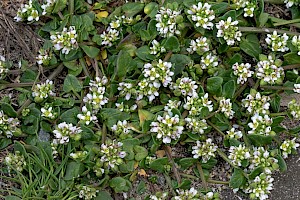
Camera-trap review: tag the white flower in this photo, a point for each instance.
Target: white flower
(167, 128)
(167, 22)
(225, 106)
(64, 131)
(110, 36)
(27, 12)
(296, 88)
(48, 6)
(202, 15)
(112, 154)
(126, 90)
(43, 90)
(195, 104)
(260, 125)
(15, 161)
(44, 57)
(233, 133)
(209, 61)
(186, 86)
(86, 192)
(171, 105)
(262, 158)
(205, 150)
(156, 48)
(256, 103)
(242, 71)
(229, 31)
(294, 109)
(277, 42)
(121, 128)
(191, 194)
(86, 116)
(3, 67)
(238, 154)
(196, 125)
(48, 112)
(296, 42)
(65, 40)
(290, 3)
(288, 146)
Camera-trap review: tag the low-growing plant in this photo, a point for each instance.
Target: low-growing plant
(118, 88)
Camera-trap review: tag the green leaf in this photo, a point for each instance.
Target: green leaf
(131, 9)
(28, 76)
(140, 153)
(103, 195)
(220, 8)
(172, 44)
(112, 116)
(277, 120)
(145, 35)
(214, 85)
(70, 116)
(10, 197)
(260, 140)
(8, 110)
(237, 179)
(263, 18)
(30, 125)
(159, 164)
(179, 61)
(209, 164)
(275, 103)
(229, 89)
(4, 142)
(144, 53)
(255, 172)
(72, 65)
(119, 184)
(187, 162)
(281, 163)
(91, 51)
(59, 6)
(123, 63)
(251, 46)
(127, 167)
(144, 115)
(141, 188)
(71, 83)
(291, 58)
(74, 169)
(185, 184)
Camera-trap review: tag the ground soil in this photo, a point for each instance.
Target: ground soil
(19, 41)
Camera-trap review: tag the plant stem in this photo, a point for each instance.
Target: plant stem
(168, 56)
(278, 114)
(104, 133)
(240, 90)
(287, 22)
(13, 85)
(174, 168)
(216, 128)
(295, 66)
(277, 20)
(269, 87)
(266, 30)
(168, 180)
(71, 8)
(274, 1)
(84, 67)
(218, 182)
(223, 155)
(199, 167)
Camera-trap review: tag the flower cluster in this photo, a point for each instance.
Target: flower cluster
(296, 43)
(200, 45)
(86, 116)
(269, 70)
(229, 31)
(27, 12)
(209, 61)
(3, 67)
(15, 161)
(242, 71)
(202, 15)
(109, 36)
(260, 187)
(171, 105)
(262, 158)
(9, 126)
(294, 109)
(112, 154)
(191, 194)
(288, 147)
(79, 155)
(261, 125)
(296, 88)
(48, 6)
(256, 103)
(121, 128)
(167, 22)
(48, 112)
(233, 133)
(205, 150)
(238, 154)
(44, 57)
(126, 108)
(159, 196)
(154, 74)
(196, 125)
(96, 97)
(167, 127)
(249, 9)
(185, 86)
(43, 91)
(64, 132)
(225, 106)
(290, 3)
(195, 104)
(126, 90)
(65, 40)
(86, 192)
(277, 42)
(156, 48)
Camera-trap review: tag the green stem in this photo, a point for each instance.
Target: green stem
(168, 56)
(216, 128)
(274, 1)
(269, 87)
(223, 155)
(218, 182)
(199, 167)
(141, 134)
(168, 180)
(278, 114)
(104, 133)
(287, 22)
(71, 8)
(295, 66)
(13, 85)
(84, 67)
(277, 20)
(266, 30)
(240, 90)
(174, 168)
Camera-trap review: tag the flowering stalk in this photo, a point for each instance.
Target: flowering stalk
(266, 30)
(285, 22)
(175, 171)
(294, 66)
(199, 167)
(269, 87)
(216, 128)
